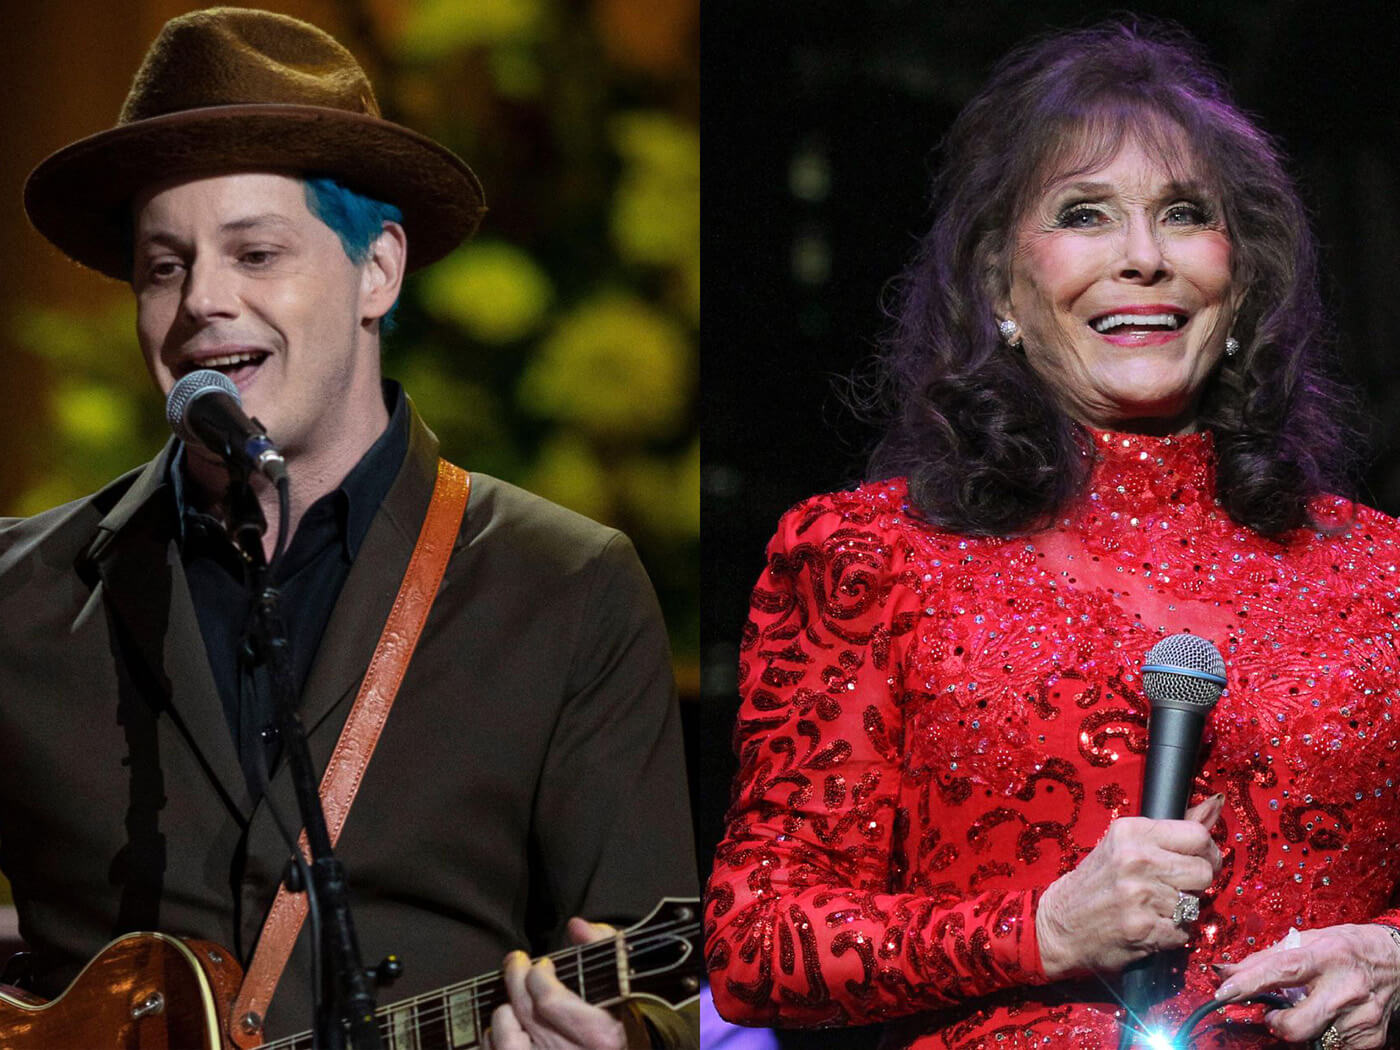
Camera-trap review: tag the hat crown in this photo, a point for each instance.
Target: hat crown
(235, 56)
(234, 89)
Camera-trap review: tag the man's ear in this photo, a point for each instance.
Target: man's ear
(381, 275)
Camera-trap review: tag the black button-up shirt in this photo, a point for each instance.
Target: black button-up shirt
(312, 572)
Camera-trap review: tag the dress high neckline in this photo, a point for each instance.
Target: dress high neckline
(1130, 468)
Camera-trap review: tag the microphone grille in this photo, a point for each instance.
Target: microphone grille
(1184, 669)
(192, 386)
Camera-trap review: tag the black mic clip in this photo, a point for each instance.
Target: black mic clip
(204, 409)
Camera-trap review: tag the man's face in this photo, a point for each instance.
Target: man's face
(234, 273)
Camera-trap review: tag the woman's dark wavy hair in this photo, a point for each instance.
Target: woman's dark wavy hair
(986, 447)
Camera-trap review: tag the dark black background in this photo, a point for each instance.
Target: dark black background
(820, 120)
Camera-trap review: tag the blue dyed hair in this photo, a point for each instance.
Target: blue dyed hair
(356, 219)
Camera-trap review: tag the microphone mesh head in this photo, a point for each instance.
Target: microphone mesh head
(194, 385)
(1179, 660)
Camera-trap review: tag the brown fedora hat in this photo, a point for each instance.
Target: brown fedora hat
(234, 89)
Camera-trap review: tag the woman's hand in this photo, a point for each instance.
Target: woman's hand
(1117, 905)
(1352, 977)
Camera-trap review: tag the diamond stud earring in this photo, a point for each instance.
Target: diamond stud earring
(1010, 332)
(1232, 346)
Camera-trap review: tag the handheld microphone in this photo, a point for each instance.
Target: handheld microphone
(204, 409)
(1182, 676)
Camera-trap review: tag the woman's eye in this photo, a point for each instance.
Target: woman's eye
(1187, 213)
(258, 256)
(1080, 216)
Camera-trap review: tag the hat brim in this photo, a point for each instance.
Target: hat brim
(79, 198)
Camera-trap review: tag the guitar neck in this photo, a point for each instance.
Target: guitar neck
(656, 959)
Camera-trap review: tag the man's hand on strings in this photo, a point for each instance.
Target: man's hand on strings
(545, 1015)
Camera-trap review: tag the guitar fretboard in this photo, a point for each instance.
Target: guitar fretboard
(602, 973)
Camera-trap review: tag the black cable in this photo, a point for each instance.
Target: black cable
(1210, 1006)
(284, 519)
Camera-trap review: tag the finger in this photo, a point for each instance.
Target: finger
(1307, 1018)
(505, 1032)
(1164, 851)
(558, 1010)
(1177, 872)
(516, 971)
(1185, 837)
(1341, 995)
(1269, 970)
(581, 931)
(1208, 812)
(1311, 1017)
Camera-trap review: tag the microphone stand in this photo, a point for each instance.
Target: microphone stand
(345, 1003)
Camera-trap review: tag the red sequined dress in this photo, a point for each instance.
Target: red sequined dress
(934, 728)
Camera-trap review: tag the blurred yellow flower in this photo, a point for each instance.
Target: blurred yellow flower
(568, 472)
(52, 490)
(99, 342)
(614, 366)
(492, 289)
(93, 414)
(656, 213)
(516, 72)
(434, 28)
(663, 495)
(465, 412)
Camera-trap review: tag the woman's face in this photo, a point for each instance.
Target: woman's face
(1120, 283)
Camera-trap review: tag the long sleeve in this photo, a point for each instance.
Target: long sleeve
(807, 921)
(611, 818)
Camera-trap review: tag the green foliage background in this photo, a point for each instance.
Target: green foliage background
(559, 348)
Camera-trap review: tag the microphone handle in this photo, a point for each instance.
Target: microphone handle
(1173, 740)
(218, 420)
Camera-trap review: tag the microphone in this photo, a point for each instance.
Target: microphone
(204, 409)
(1182, 676)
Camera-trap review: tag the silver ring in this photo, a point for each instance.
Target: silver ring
(1187, 910)
(1331, 1039)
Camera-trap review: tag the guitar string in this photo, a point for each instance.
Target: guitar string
(603, 961)
(603, 950)
(595, 958)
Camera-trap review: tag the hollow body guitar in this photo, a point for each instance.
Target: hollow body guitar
(149, 991)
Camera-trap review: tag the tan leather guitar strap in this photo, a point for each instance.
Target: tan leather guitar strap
(362, 728)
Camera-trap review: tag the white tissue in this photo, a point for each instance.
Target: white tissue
(1292, 939)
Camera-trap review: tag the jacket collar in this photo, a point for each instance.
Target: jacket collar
(135, 555)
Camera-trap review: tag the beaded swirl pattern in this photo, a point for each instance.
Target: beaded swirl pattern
(934, 728)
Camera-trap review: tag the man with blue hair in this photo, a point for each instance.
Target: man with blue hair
(527, 784)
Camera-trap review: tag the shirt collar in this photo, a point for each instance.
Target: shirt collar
(356, 501)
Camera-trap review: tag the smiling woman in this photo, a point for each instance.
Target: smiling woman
(1025, 181)
(1120, 288)
(1108, 423)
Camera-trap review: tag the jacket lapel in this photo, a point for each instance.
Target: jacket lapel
(370, 588)
(136, 556)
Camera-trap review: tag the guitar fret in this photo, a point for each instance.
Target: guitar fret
(463, 1025)
(403, 1028)
(659, 956)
